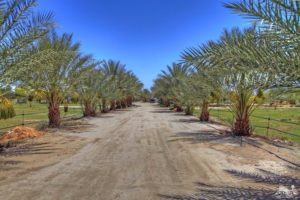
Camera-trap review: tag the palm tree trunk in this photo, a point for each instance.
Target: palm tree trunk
(189, 110)
(166, 102)
(242, 125)
(66, 107)
(103, 108)
(124, 103)
(88, 109)
(243, 108)
(204, 117)
(177, 108)
(113, 105)
(53, 109)
(119, 106)
(129, 101)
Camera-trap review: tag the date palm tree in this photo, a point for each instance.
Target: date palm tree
(173, 77)
(280, 17)
(88, 88)
(112, 70)
(119, 87)
(145, 95)
(132, 88)
(160, 90)
(205, 81)
(20, 27)
(234, 61)
(279, 22)
(54, 67)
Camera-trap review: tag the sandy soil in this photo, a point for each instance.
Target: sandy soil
(149, 153)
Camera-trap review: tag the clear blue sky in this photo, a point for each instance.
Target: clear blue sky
(146, 35)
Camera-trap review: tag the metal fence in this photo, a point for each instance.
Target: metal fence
(269, 127)
(34, 119)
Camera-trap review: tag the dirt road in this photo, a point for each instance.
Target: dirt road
(149, 153)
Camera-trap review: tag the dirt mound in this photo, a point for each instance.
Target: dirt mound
(20, 133)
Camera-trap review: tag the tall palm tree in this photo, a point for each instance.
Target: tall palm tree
(56, 67)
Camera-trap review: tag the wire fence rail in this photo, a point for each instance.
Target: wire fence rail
(268, 125)
(25, 119)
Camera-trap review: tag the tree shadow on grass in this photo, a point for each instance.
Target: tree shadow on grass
(205, 191)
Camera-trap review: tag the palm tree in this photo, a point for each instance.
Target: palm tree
(132, 88)
(160, 90)
(112, 71)
(279, 23)
(205, 81)
(145, 95)
(20, 27)
(174, 77)
(56, 67)
(236, 64)
(118, 86)
(281, 17)
(88, 90)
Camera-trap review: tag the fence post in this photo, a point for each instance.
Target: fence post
(268, 127)
(23, 118)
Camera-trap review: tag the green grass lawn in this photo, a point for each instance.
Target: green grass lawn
(37, 113)
(282, 116)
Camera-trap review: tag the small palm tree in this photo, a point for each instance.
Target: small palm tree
(87, 87)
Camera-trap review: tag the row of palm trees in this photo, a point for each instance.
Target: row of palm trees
(240, 65)
(35, 56)
(107, 86)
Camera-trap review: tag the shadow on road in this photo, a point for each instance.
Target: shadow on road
(197, 137)
(205, 191)
(37, 148)
(162, 111)
(210, 136)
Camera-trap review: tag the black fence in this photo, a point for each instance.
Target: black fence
(34, 119)
(268, 127)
